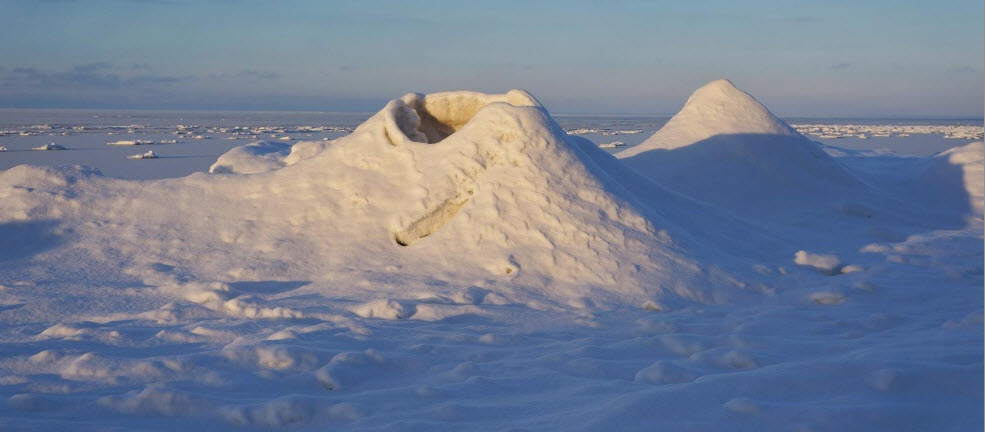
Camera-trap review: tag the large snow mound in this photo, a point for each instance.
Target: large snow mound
(483, 190)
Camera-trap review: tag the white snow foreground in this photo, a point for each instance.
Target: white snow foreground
(459, 262)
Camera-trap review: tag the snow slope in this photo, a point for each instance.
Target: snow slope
(460, 262)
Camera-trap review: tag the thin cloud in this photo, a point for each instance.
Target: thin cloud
(98, 75)
(840, 66)
(258, 75)
(962, 69)
(251, 75)
(807, 19)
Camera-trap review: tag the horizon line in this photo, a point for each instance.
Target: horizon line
(553, 113)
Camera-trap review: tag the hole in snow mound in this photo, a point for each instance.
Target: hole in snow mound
(430, 222)
(432, 118)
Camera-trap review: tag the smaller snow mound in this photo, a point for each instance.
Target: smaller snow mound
(726, 148)
(252, 158)
(348, 369)
(382, 309)
(718, 108)
(156, 400)
(664, 372)
(960, 168)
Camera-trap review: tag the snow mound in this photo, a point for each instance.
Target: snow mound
(717, 108)
(966, 163)
(726, 148)
(484, 190)
(252, 158)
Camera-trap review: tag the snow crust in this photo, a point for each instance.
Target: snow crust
(459, 261)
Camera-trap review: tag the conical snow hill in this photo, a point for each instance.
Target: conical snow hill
(435, 193)
(726, 148)
(717, 108)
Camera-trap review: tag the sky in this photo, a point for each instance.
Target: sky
(876, 58)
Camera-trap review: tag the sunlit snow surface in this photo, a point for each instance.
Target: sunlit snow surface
(743, 282)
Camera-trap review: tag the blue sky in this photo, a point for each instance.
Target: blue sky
(807, 58)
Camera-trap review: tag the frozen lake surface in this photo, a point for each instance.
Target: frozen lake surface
(190, 141)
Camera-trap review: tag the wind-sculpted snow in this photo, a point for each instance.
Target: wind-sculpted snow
(459, 262)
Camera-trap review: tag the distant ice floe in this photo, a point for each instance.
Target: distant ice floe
(254, 132)
(50, 146)
(130, 142)
(614, 144)
(602, 131)
(149, 155)
(3, 149)
(832, 131)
